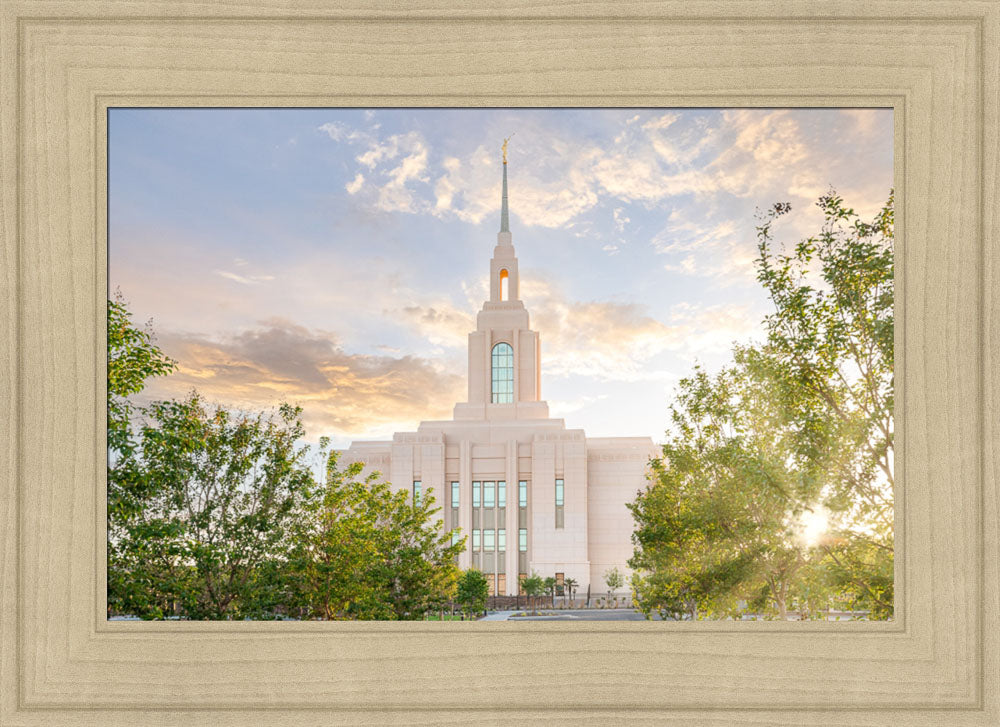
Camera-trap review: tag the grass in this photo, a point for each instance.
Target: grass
(447, 617)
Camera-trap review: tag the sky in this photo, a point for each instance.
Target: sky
(336, 258)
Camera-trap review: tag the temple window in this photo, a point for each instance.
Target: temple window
(503, 374)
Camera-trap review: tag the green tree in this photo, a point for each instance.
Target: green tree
(549, 586)
(133, 358)
(472, 592)
(217, 514)
(719, 527)
(421, 571)
(614, 580)
(362, 551)
(571, 586)
(334, 549)
(799, 423)
(215, 494)
(832, 333)
(533, 585)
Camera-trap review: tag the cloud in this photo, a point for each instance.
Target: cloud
(340, 132)
(562, 408)
(392, 164)
(355, 184)
(620, 219)
(441, 323)
(601, 339)
(393, 195)
(341, 392)
(767, 149)
(866, 121)
(547, 197)
(558, 175)
(722, 249)
(712, 329)
(640, 177)
(244, 279)
(664, 121)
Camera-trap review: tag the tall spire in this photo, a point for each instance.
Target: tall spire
(504, 216)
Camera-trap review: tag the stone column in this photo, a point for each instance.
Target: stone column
(465, 499)
(511, 516)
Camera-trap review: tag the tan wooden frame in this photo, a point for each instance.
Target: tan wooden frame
(62, 64)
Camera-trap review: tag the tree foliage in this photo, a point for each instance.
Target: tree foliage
(211, 497)
(717, 529)
(549, 586)
(797, 425)
(216, 514)
(133, 358)
(533, 585)
(835, 340)
(613, 579)
(571, 585)
(472, 591)
(363, 551)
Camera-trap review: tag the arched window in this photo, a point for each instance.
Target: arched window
(504, 285)
(503, 374)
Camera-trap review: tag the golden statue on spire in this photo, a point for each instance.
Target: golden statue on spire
(503, 148)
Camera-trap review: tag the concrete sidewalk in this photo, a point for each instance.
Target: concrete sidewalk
(498, 616)
(576, 614)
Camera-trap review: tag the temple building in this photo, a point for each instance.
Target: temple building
(529, 494)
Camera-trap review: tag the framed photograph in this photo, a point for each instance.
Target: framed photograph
(459, 355)
(96, 95)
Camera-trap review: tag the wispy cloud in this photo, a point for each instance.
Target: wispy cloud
(562, 408)
(722, 249)
(741, 152)
(620, 219)
(599, 339)
(244, 279)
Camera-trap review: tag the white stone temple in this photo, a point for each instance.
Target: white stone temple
(529, 494)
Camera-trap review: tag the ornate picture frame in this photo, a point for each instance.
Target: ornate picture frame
(63, 65)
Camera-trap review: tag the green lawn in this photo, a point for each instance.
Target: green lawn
(447, 617)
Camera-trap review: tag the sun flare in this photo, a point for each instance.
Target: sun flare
(814, 526)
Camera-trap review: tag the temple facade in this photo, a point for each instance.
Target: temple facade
(529, 494)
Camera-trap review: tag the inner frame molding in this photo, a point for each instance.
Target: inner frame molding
(937, 65)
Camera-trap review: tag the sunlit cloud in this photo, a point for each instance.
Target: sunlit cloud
(441, 322)
(615, 341)
(279, 361)
(866, 121)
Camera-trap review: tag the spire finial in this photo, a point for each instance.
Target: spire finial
(504, 215)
